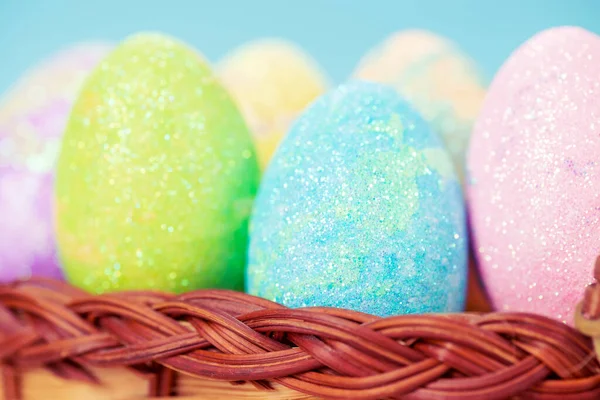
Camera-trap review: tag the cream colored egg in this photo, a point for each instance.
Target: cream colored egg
(273, 81)
(441, 81)
(57, 77)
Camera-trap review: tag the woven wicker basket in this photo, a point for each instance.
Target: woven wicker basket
(58, 342)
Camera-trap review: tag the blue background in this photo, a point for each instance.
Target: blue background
(336, 32)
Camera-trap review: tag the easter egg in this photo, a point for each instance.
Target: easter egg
(360, 208)
(33, 114)
(156, 176)
(273, 81)
(534, 175)
(442, 82)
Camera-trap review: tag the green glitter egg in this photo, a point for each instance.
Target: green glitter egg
(157, 175)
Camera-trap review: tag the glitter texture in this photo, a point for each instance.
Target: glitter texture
(438, 79)
(534, 186)
(273, 81)
(33, 115)
(360, 209)
(156, 176)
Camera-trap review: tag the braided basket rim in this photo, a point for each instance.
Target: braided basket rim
(318, 351)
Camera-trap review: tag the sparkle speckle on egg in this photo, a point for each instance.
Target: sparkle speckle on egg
(534, 172)
(156, 176)
(360, 208)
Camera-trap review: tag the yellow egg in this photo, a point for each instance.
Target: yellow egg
(273, 81)
(441, 81)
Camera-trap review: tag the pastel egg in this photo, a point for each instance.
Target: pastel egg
(534, 185)
(33, 114)
(273, 81)
(156, 176)
(442, 82)
(360, 208)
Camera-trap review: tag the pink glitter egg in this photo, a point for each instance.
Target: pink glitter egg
(534, 175)
(33, 114)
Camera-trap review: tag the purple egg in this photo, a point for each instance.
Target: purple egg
(33, 115)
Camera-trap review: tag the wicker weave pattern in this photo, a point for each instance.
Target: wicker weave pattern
(324, 352)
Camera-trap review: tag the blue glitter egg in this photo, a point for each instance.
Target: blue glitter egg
(360, 208)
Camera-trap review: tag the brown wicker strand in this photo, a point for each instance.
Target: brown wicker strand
(587, 313)
(329, 353)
